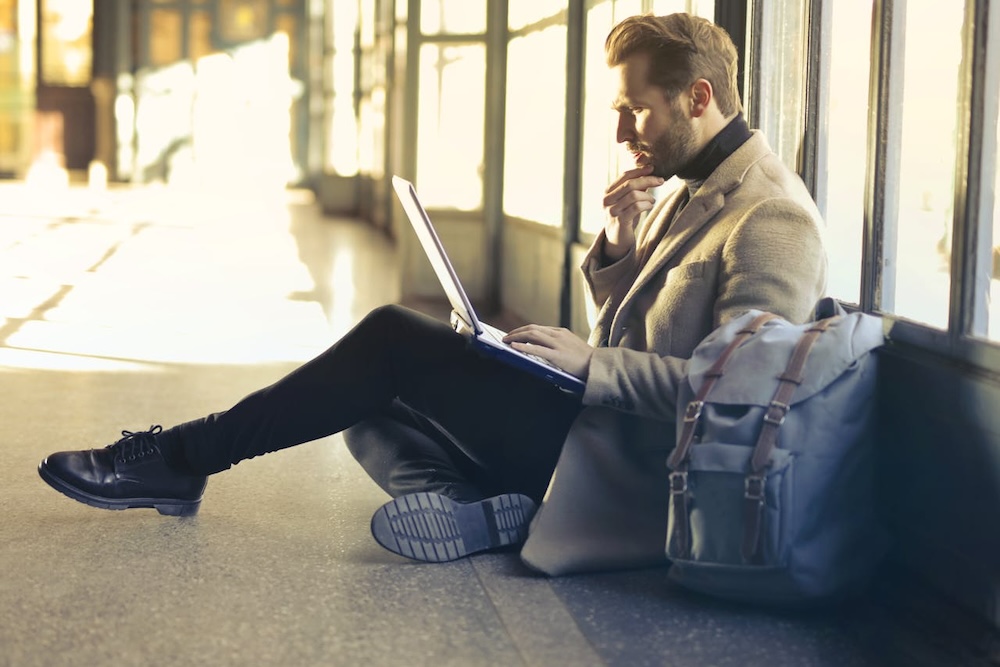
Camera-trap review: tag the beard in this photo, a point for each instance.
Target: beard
(673, 149)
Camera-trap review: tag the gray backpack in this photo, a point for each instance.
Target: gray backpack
(771, 483)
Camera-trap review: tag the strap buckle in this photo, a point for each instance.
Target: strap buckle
(753, 487)
(678, 482)
(776, 412)
(693, 411)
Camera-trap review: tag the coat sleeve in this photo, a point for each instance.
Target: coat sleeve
(601, 279)
(639, 383)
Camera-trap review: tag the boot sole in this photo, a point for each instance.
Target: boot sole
(167, 506)
(433, 528)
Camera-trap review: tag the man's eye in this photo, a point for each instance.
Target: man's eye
(636, 110)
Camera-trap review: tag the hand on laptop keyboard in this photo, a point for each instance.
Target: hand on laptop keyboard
(557, 345)
(498, 335)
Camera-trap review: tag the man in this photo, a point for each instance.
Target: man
(466, 446)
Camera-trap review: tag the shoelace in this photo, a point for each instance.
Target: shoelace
(136, 444)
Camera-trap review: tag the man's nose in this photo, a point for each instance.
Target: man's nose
(626, 127)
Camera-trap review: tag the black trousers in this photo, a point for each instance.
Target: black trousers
(421, 411)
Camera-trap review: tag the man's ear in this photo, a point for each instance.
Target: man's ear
(701, 97)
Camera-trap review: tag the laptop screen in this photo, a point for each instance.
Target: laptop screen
(435, 253)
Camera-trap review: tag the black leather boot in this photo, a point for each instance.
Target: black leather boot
(130, 473)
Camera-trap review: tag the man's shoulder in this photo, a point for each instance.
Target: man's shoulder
(755, 173)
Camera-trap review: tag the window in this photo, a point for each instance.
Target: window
(372, 88)
(702, 8)
(341, 154)
(927, 161)
(777, 104)
(847, 144)
(534, 150)
(599, 160)
(451, 115)
(994, 268)
(452, 16)
(523, 13)
(66, 37)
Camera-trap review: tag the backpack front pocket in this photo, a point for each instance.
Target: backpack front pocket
(717, 500)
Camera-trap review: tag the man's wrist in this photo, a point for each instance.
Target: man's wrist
(612, 252)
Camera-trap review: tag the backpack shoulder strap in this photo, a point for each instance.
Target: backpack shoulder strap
(774, 417)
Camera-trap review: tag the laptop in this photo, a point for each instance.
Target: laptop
(484, 338)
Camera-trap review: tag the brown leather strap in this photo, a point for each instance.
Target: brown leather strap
(753, 509)
(774, 417)
(677, 461)
(680, 542)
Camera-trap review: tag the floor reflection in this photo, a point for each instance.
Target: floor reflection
(168, 275)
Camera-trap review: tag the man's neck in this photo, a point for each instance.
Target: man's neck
(718, 148)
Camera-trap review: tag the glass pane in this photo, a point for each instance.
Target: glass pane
(452, 16)
(242, 20)
(523, 13)
(199, 35)
(598, 149)
(165, 38)
(994, 315)
(288, 24)
(927, 161)
(367, 24)
(66, 49)
(341, 121)
(451, 118)
(536, 126)
(781, 100)
(626, 8)
(702, 8)
(847, 140)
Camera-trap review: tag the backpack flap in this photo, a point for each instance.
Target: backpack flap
(752, 373)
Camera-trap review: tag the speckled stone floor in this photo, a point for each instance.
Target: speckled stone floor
(131, 308)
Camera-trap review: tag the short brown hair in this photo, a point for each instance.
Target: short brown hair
(682, 49)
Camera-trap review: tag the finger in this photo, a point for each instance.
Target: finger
(533, 336)
(522, 329)
(546, 353)
(630, 212)
(631, 174)
(628, 199)
(638, 182)
(637, 185)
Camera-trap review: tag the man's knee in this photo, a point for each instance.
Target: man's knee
(359, 437)
(387, 317)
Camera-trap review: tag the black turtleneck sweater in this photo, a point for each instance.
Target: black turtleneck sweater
(721, 146)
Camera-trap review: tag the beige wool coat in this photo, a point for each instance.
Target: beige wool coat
(750, 238)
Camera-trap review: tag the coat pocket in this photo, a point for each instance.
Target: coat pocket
(686, 271)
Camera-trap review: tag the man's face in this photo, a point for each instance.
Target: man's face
(654, 130)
